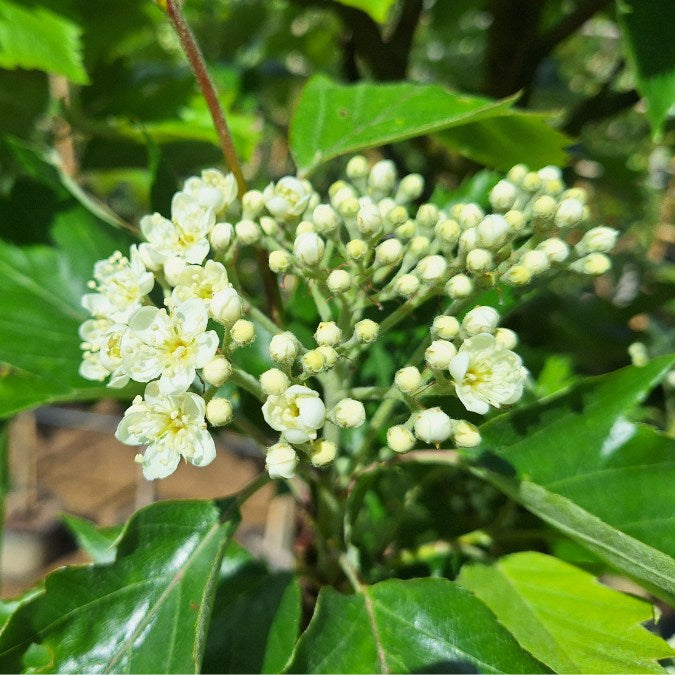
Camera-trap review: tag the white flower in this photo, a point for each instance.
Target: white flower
(328, 333)
(283, 347)
(308, 248)
(297, 413)
(170, 347)
(400, 439)
(481, 319)
(432, 426)
(431, 269)
(92, 332)
(408, 379)
(219, 412)
(287, 199)
(195, 281)
(171, 426)
(121, 284)
(349, 413)
(225, 306)
(281, 460)
(486, 374)
(110, 355)
(439, 354)
(213, 190)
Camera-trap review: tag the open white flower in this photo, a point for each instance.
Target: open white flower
(195, 281)
(297, 413)
(287, 199)
(171, 426)
(120, 284)
(168, 346)
(486, 374)
(92, 332)
(214, 190)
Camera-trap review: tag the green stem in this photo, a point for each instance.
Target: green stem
(246, 381)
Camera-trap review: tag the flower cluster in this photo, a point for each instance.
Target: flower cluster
(369, 255)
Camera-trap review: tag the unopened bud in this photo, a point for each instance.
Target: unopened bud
(445, 327)
(400, 439)
(349, 413)
(419, 245)
(269, 226)
(283, 347)
(556, 250)
(427, 216)
(517, 173)
(431, 269)
(506, 338)
(481, 319)
(328, 333)
(366, 331)
(357, 167)
(308, 248)
(279, 261)
(389, 252)
(313, 361)
(304, 226)
(217, 371)
(439, 354)
(369, 220)
(406, 285)
(491, 231)
(535, 261)
(382, 176)
(531, 182)
(406, 230)
(221, 236)
(543, 207)
(432, 426)
(408, 379)
(517, 275)
(225, 306)
(503, 196)
(339, 281)
(448, 231)
(247, 231)
(515, 219)
(242, 332)
(470, 215)
(410, 188)
(219, 412)
(598, 240)
(593, 263)
(570, 212)
(478, 260)
(281, 460)
(465, 434)
(356, 249)
(274, 382)
(459, 287)
(329, 354)
(252, 204)
(323, 452)
(325, 219)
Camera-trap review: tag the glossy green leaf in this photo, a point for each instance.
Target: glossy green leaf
(333, 119)
(418, 625)
(100, 543)
(377, 9)
(35, 37)
(565, 617)
(256, 617)
(647, 36)
(475, 188)
(146, 612)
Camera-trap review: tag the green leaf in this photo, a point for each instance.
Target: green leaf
(256, 617)
(418, 625)
(146, 612)
(333, 119)
(565, 617)
(647, 38)
(98, 542)
(37, 38)
(475, 189)
(510, 138)
(377, 9)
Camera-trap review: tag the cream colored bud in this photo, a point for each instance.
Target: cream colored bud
(410, 188)
(535, 261)
(459, 287)
(406, 285)
(252, 204)
(432, 426)
(219, 412)
(283, 347)
(242, 332)
(408, 379)
(419, 245)
(427, 216)
(517, 173)
(337, 187)
(470, 215)
(217, 371)
(173, 267)
(445, 327)
(304, 226)
(506, 338)
(517, 275)
(221, 236)
(328, 333)
(481, 319)
(369, 220)
(439, 354)
(313, 361)
(339, 281)
(544, 207)
(226, 306)
(503, 196)
(389, 252)
(531, 182)
(274, 382)
(281, 460)
(400, 439)
(478, 260)
(593, 263)
(575, 193)
(431, 269)
(598, 240)
(279, 261)
(269, 226)
(349, 413)
(550, 172)
(382, 177)
(325, 219)
(329, 354)
(356, 249)
(247, 231)
(348, 208)
(448, 231)
(465, 434)
(366, 331)
(556, 250)
(491, 232)
(357, 167)
(323, 452)
(638, 354)
(570, 212)
(384, 205)
(516, 220)
(468, 240)
(308, 248)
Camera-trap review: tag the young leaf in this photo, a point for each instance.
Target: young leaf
(333, 119)
(146, 612)
(377, 9)
(417, 625)
(98, 542)
(565, 618)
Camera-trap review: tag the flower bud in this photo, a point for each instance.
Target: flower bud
(459, 287)
(445, 327)
(217, 371)
(221, 236)
(570, 212)
(397, 216)
(439, 354)
(478, 260)
(329, 354)
(531, 182)
(432, 426)
(448, 231)
(550, 172)
(382, 176)
(248, 232)
(516, 220)
(593, 263)
(328, 333)
(269, 226)
(226, 306)
(173, 267)
(347, 207)
(281, 460)
(408, 379)
(556, 250)
(465, 434)
(252, 204)
(431, 269)
(517, 173)
(325, 219)
(400, 439)
(242, 332)
(406, 285)
(313, 361)
(535, 262)
(638, 354)
(323, 452)
(339, 281)
(470, 215)
(389, 252)
(366, 331)
(517, 275)
(349, 413)
(219, 412)
(337, 187)
(274, 382)
(598, 240)
(543, 207)
(468, 240)
(356, 249)
(491, 231)
(283, 347)
(308, 248)
(406, 230)
(427, 216)
(419, 246)
(279, 261)
(369, 220)
(384, 205)
(287, 199)
(304, 226)
(506, 338)
(503, 196)
(481, 319)
(410, 188)
(357, 167)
